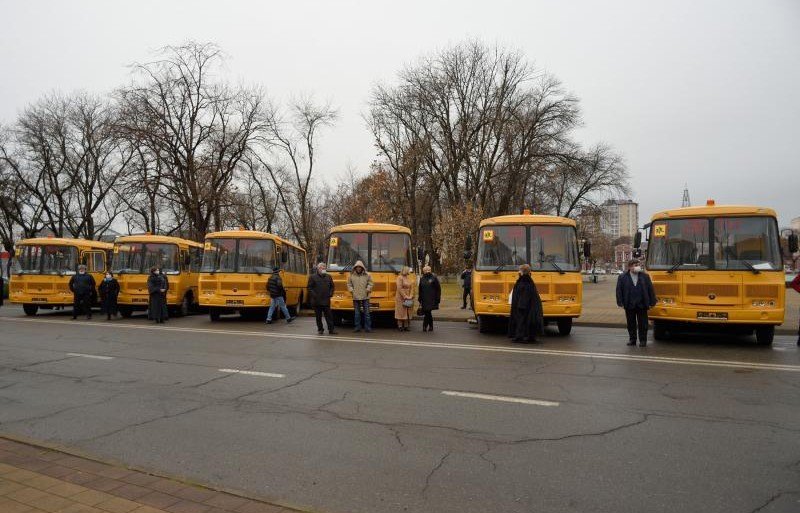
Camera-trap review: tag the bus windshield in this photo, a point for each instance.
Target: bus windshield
(545, 248)
(47, 259)
(380, 251)
(138, 258)
(227, 255)
(737, 243)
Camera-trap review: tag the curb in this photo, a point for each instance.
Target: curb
(50, 446)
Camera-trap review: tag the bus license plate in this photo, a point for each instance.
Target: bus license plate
(234, 302)
(140, 300)
(712, 316)
(374, 305)
(39, 299)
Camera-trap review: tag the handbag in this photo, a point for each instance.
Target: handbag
(408, 303)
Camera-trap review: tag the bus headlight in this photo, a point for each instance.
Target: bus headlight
(667, 301)
(761, 303)
(208, 292)
(261, 294)
(566, 299)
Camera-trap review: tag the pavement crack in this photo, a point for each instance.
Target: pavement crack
(433, 471)
(645, 418)
(290, 385)
(144, 423)
(769, 501)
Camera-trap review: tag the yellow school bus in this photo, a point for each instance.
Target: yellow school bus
(178, 258)
(715, 266)
(44, 267)
(237, 265)
(549, 244)
(384, 248)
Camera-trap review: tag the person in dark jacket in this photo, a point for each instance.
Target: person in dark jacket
(157, 290)
(796, 286)
(277, 296)
(430, 294)
(635, 293)
(526, 319)
(109, 292)
(320, 292)
(466, 284)
(2, 287)
(83, 288)
(165, 307)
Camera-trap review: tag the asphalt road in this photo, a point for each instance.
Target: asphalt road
(449, 421)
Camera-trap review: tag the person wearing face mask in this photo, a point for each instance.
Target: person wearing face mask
(109, 292)
(525, 320)
(430, 294)
(157, 289)
(320, 291)
(359, 283)
(635, 293)
(404, 299)
(83, 287)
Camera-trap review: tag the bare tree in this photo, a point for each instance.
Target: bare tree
(199, 128)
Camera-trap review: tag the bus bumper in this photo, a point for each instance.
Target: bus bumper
(773, 316)
(550, 309)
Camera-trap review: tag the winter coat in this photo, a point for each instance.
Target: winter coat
(466, 279)
(82, 285)
(109, 292)
(157, 308)
(630, 296)
(320, 289)
(405, 290)
(359, 285)
(275, 286)
(430, 292)
(526, 319)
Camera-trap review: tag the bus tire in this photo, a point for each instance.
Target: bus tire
(186, 304)
(564, 326)
(660, 330)
(765, 335)
(213, 314)
(484, 324)
(29, 309)
(125, 311)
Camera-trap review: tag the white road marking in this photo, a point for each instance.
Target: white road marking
(729, 364)
(501, 398)
(95, 356)
(253, 373)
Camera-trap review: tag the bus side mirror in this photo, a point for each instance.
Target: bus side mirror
(793, 243)
(587, 249)
(637, 240)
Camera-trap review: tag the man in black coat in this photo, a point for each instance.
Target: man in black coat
(109, 293)
(635, 293)
(466, 284)
(320, 292)
(83, 288)
(430, 295)
(526, 320)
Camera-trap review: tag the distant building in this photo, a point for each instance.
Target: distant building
(623, 253)
(620, 218)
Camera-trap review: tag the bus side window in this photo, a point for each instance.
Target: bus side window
(294, 260)
(197, 257)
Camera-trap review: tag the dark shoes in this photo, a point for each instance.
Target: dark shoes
(632, 343)
(290, 319)
(332, 332)
(463, 307)
(269, 321)
(642, 344)
(321, 332)
(357, 330)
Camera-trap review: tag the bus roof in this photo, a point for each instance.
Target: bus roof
(249, 234)
(159, 239)
(59, 241)
(371, 227)
(714, 210)
(527, 219)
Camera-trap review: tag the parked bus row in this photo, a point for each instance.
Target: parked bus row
(710, 266)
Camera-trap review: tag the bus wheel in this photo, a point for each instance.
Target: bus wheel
(213, 314)
(125, 311)
(484, 324)
(764, 335)
(660, 330)
(30, 309)
(184, 307)
(564, 326)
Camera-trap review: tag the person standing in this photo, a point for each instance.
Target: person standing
(157, 290)
(796, 286)
(2, 287)
(466, 284)
(360, 286)
(277, 296)
(109, 293)
(164, 307)
(404, 299)
(635, 293)
(83, 287)
(430, 294)
(525, 321)
(320, 292)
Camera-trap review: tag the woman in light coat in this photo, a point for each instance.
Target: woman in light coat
(404, 299)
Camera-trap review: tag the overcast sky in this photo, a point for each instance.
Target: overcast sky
(703, 93)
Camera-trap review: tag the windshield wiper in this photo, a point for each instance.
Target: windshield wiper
(674, 267)
(559, 269)
(751, 267)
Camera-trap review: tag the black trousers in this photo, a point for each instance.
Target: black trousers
(637, 323)
(81, 305)
(427, 319)
(319, 311)
(467, 294)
